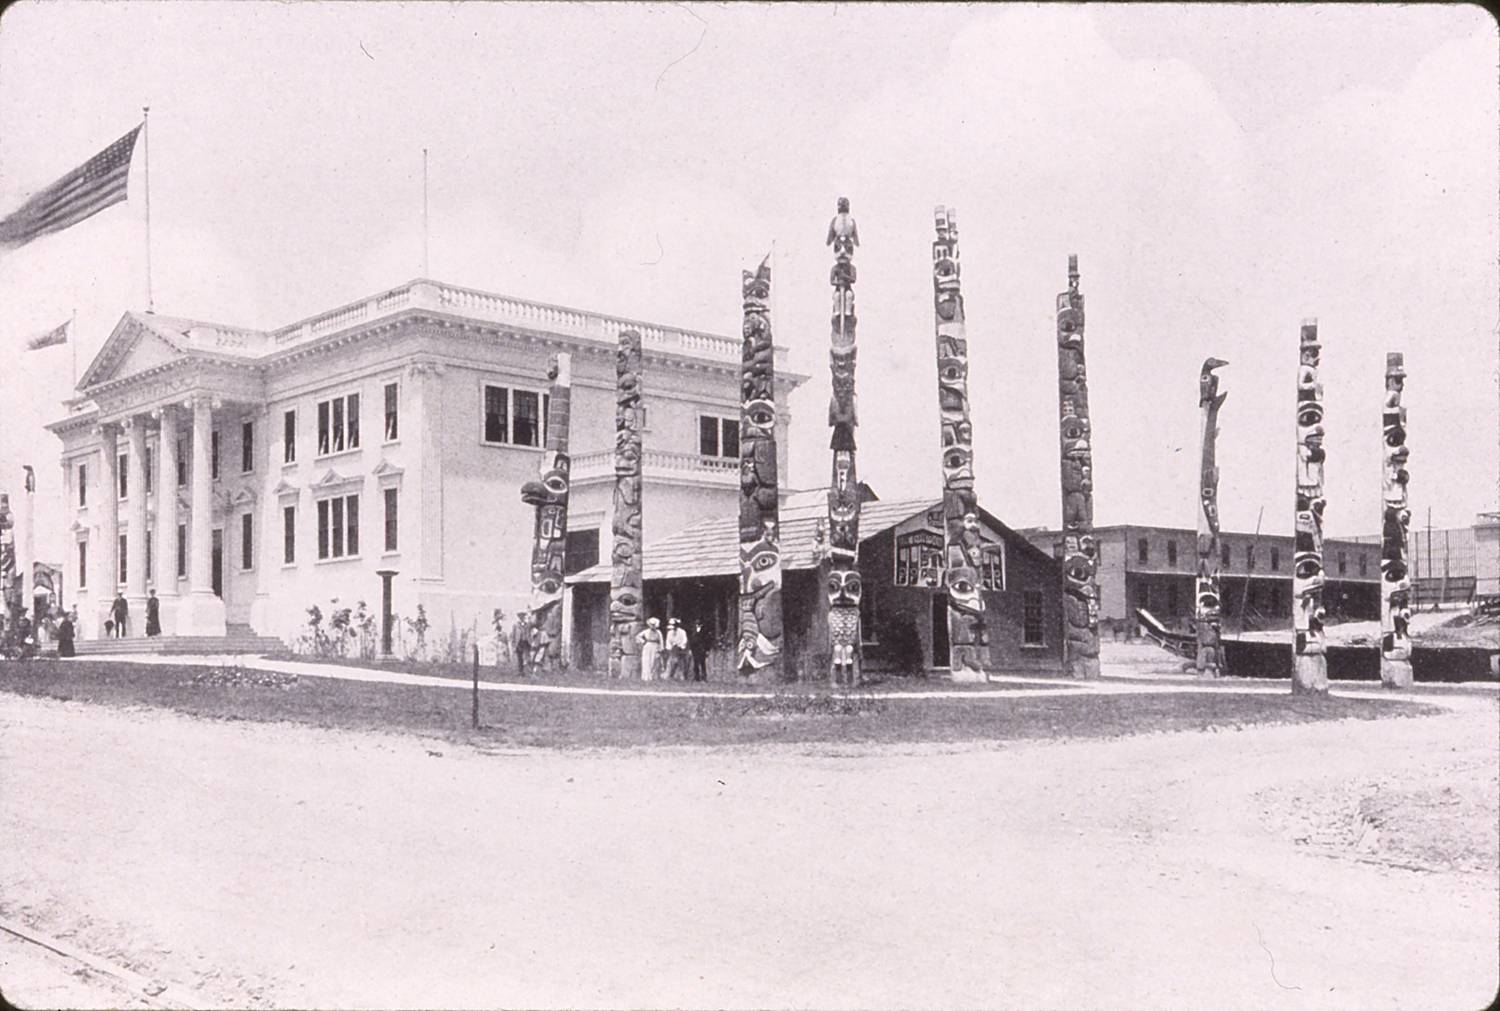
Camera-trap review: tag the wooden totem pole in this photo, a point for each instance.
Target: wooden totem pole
(1310, 661)
(1080, 552)
(1210, 659)
(1395, 578)
(549, 494)
(963, 552)
(760, 642)
(627, 597)
(10, 590)
(844, 586)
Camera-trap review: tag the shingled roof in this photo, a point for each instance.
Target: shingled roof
(711, 547)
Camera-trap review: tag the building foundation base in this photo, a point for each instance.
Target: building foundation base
(1395, 673)
(1310, 674)
(1084, 667)
(201, 613)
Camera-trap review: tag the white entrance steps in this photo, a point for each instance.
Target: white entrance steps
(237, 639)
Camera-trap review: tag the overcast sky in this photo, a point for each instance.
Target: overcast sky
(1222, 172)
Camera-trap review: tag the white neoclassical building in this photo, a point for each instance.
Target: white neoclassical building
(246, 475)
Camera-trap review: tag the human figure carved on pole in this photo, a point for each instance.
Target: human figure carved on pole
(1208, 616)
(844, 588)
(627, 599)
(759, 649)
(549, 495)
(1080, 551)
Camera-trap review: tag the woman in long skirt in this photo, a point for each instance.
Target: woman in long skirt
(650, 640)
(65, 636)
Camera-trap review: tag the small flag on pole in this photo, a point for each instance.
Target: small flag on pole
(90, 188)
(57, 335)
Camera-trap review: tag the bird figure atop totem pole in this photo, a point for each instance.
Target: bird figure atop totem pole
(1208, 383)
(843, 233)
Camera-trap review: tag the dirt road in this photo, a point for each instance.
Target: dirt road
(289, 866)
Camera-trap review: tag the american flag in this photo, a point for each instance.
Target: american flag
(57, 335)
(85, 191)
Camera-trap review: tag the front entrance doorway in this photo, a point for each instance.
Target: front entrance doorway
(218, 561)
(940, 648)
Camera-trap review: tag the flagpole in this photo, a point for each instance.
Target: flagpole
(424, 212)
(146, 129)
(73, 345)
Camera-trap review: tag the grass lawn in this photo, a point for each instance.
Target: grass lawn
(506, 674)
(571, 721)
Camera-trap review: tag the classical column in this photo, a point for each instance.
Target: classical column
(549, 495)
(201, 611)
(845, 589)
(1210, 658)
(627, 595)
(135, 544)
(26, 541)
(963, 552)
(421, 518)
(107, 549)
(1310, 662)
(1395, 579)
(166, 517)
(759, 652)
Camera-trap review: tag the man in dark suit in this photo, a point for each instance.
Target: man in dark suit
(699, 643)
(120, 611)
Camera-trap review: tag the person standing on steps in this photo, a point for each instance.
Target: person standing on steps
(153, 615)
(120, 611)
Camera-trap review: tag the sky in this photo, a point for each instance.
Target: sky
(1222, 173)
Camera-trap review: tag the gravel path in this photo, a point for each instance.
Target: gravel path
(277, 865)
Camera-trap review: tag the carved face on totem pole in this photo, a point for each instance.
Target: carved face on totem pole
(1069, 327)
(551, 487)
(845, 588)
(627, 376)
(757, 487)
(841, 409)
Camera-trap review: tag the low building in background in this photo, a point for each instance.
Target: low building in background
(1153, 568)
(694, 575)
(1453, 565)
(246, 475)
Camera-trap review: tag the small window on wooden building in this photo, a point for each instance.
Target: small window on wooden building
(1032, 629)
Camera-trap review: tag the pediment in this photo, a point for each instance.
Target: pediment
(387, 472)
(333, 479)
(284, 488)
(135, 345)
(245, 496)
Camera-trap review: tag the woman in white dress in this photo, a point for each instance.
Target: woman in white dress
(650, 640)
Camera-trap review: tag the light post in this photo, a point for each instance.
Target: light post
(385, 613)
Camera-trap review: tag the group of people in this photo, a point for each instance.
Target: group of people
(528, 644)
(20, 637)
(118, 623)
(664, 655)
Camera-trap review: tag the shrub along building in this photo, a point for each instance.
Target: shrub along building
(1154, 568)
(694, 575)
(245, 475)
